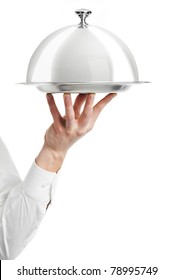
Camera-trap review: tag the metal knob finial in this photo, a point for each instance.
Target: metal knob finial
(83, 14)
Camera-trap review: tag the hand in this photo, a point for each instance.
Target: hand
(65, 131)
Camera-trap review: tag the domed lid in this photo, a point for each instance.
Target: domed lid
(82, 58)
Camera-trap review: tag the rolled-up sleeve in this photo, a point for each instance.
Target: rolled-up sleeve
(23, 209)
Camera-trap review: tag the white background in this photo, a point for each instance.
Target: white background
(113, 205)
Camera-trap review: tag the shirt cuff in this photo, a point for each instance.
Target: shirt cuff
(40, 184)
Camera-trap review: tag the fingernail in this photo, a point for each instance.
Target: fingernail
(48, 95)
(66, 94)
(92, 95)
(114, 94)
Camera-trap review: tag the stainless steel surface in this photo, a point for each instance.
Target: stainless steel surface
(82, 58)
(99, 87)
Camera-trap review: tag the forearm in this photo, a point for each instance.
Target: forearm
(50, 160)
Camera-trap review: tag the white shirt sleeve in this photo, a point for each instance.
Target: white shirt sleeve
(22, 204)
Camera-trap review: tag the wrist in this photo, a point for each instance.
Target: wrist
(49, 159)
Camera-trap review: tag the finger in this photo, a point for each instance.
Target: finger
(101, 104)
(69, 111)
(80, 99)
(88, 109)
(53, 109)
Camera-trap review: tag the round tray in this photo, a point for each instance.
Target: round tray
(87, 87)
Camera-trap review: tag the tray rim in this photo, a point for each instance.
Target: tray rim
(83, 87)
(84, 83)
